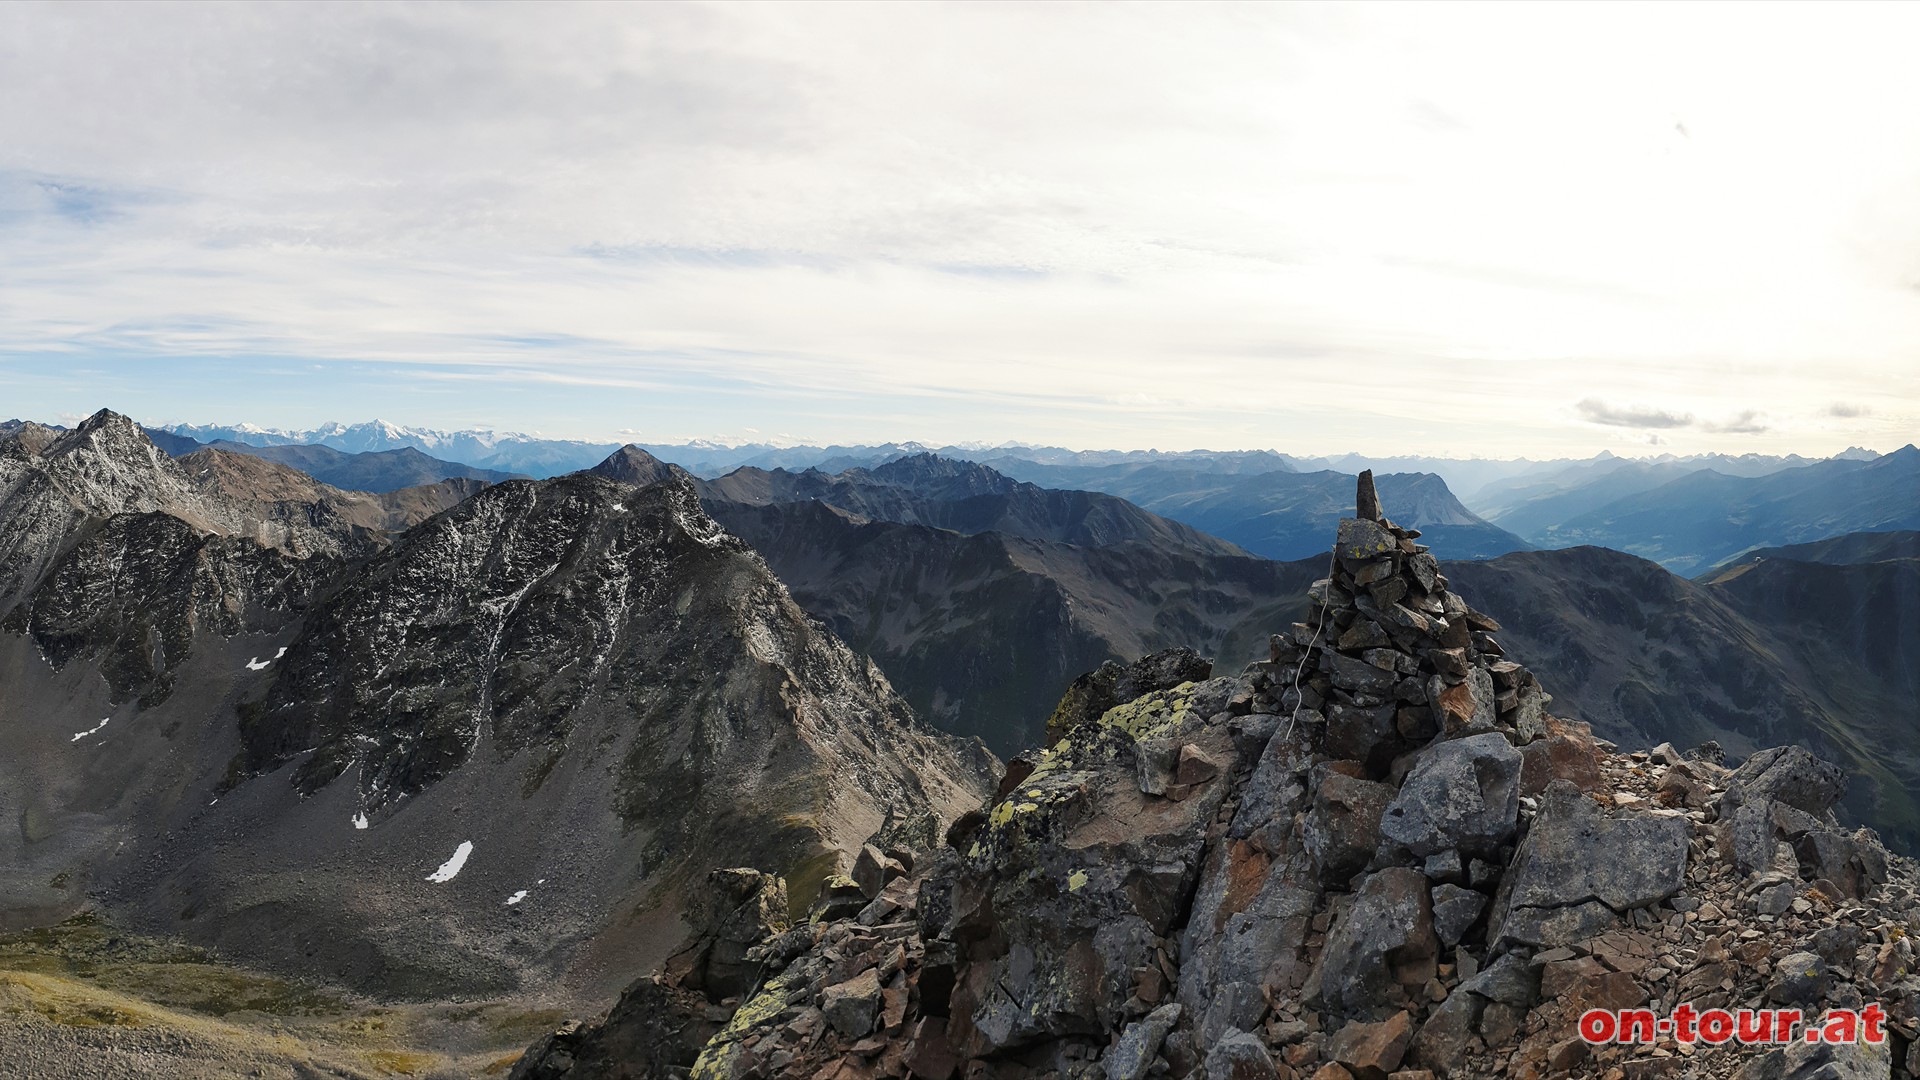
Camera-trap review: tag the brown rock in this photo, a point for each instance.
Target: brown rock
(1559, 757)
(1678, 787)
(1566, 1054)
(1194, 766)
(1614, 990)
(1371, 1051)
(893, 1007)
(1559, 977)
(929, 1054)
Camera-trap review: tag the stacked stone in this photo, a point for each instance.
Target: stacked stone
(1393, 658)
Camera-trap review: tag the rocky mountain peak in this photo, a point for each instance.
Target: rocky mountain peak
(1376, 853)
(949, 477)
(632, 465)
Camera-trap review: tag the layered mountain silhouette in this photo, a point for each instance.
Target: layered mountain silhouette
(509, 452)
(421, 745)
(924, 489)
(1706, 517)
(369, 470)
(1282, 514)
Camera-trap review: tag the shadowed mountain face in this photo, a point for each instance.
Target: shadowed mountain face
(1706, 518)
(236, 711)
(982, 633)
(923, 489)
(1283, 515)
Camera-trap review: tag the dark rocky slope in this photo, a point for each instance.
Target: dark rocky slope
(1377, 853)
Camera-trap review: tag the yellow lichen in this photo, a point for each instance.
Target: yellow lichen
(717, 1056)
(1076, 880)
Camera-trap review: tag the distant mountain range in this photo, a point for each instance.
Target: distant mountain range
(507, 452)
(1698, 520)
(367, 470)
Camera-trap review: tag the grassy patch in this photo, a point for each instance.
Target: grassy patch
(163, 972)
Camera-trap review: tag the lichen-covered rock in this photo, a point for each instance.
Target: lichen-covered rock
(1091, 695)
(740, 909)
(1078, 872)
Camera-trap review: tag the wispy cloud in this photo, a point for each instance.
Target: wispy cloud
(1599, 412)
(1748, 422)
(1848, 411)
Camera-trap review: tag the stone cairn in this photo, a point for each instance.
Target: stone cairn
(1393, 658)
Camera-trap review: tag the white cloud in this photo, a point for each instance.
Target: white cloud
(1285, 225)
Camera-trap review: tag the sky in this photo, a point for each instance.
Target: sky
(1499, 230)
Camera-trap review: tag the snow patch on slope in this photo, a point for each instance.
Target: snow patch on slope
(451, 868)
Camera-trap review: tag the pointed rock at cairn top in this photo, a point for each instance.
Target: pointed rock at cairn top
(1366, 504)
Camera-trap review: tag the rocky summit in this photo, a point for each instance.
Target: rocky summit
(1378, 853)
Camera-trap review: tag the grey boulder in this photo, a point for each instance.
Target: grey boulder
(1463, 794)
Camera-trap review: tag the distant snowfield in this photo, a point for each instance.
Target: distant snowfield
(451, 868)
(516, 897)
(78, 735)
(360, 822)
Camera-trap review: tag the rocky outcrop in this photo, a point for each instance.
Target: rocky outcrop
(1377, 854)
(427, 751)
